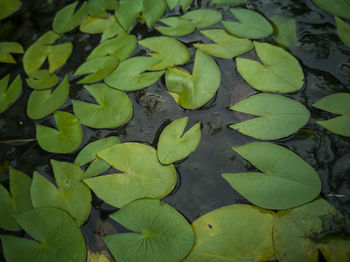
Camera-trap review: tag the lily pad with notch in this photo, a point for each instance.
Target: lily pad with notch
(98, 8)
(42, 79)
(66, 20)
(96, 25)
(184, 3)
(9, 94)
(8, 48)
(176, 26)
(203, 17)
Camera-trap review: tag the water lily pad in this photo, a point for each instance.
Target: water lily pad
(161, 233)
(66, 139)
(42, 79)
(286, 30)
(143, 176)
(71, 194)
(130, 74)
(184, 3)
(343, 30)
(338, 103)
(336, 7)
(176, 26)
(17, 201)
(41, 103)
(96, 25)
(43, 48)
(227, 2)
(97, 68)
(287, 180)
(226, 45)
(233, 233)
(113, 31)
(194, 91)
(66, 20)
(9, 94)
(56, 238)
(279, 116)
(174, 144)
(203, 17)
(164, 48)
(89, 155)
(6, 48)
(98, 8)
(7, 7)
(335, 249)
(280, 71)
(114, 107)
(153, 10)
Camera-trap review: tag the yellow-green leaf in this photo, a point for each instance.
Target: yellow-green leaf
(6, 48)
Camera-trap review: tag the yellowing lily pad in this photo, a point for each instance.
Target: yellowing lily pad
(96, 25)
(9, 94)
(42, 79)
(66, 20)
(6, 48)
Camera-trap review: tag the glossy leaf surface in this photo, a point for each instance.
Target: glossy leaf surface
(9, 94)
(6, 48)
(176, 26)
(66, 19)
(286, 30)
(96, 25)
(336, 7)
(203, 17)
(42, 79)
(343, 30)
(8, 7)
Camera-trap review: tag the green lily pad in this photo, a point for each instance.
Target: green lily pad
(17, 201)
(98, 8)
(66, 20)
(130, 74)
(227, 2)
(71, 194)
(66, 139)
(6, 48)
(251, 24)
(336, 7)
(335, 249)
(97, 68)
(9, 94)
(279, 116)
(161, 233)
(233, 233)
(279, 73)
(153, 10)
(114, 107)
(184, 3)
(89, 155)
(164, 48)
(113, 31)
(176, 26)
(56, 238)
(174, 144)
(42, 79)
(96, 25)
(194, 91)
(44, 102)
(338, 103)
(43, 48)
(203, 17)
(285, 30)
(287, 180)
(343, 30)
(143, 176)
(226, 45)
(7, 7)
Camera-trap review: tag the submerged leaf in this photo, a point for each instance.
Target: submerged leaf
(8, 7)
(177, 26)
(161, 233)
(343, 30)
(95, 25)
(66, 20)
(6, 48)
(287, 180)
(280, 71)
(203, 17)
(9, 94)
(286, 30)
(42, 79)
(336, 7)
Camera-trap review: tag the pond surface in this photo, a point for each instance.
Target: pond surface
(200, 189)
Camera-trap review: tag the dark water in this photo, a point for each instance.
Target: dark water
(326, 64)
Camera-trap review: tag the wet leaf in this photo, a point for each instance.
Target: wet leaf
(43, 48)
(343, 30)
(203, 17)
(286, 30)
(251, 24)
(15, 202)
(56, 238)
(280, 71)
(97, 68)
(164, 48)
(42, 79)
(338, 103)
(279, 116)
(8, 7)
(130, 74)
(143, 176)
(227, 2)
(161, 233)
(66, 20)
(6, 48)
(176, 26)
(174, 144)
(66, 139)
(97, 8)
(337, 7)
(71, 194)
(287, 180)
(233, 233)
(9, 94)
(226, 45)
(44, 102)
(95, 25)
(113, 107)
(184, 3)
(194, 91)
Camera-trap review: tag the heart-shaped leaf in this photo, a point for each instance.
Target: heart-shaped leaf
(71, 194)
(6, 48)
(114, 107)
(113, 31)
(41, 103)
(194, 91)
(336, 7)
(203, 17)
(338, 103)
(143, 176)
(280, 71)
(177, 26)
(287, 180)
(97, 8)
(227, 2)
(96, 25)
(286, 30)
(56, 238)
(226, 45)
(161, 233)
(279, 116)
(17, 201)
(152, 11)
(9, 94)
(164, 48)
(233, 233)
(184, 3)
(173, 144)
(130, 74)
(66, 20)
(7, 7)
(343, 30)
(66, 139)
(42, 79)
